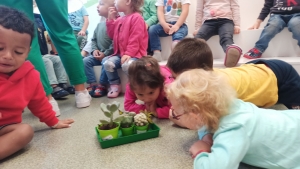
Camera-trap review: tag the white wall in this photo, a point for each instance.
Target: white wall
(249, 10)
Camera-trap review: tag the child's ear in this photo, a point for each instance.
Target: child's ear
(128, 2)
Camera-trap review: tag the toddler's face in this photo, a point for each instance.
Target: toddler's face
(187, 119)
(14, 49)
(146, 94)
(102, 7)
(121, 5)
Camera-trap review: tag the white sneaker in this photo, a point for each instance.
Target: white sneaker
(83, 99)
(55, 107)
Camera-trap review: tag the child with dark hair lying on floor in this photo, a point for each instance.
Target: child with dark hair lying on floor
(242, 132)
(146, 83)
(20, 84)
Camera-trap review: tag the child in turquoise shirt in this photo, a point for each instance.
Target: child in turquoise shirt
(241, 131)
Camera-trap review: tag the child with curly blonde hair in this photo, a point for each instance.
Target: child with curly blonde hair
(241, 131)
(130, 40)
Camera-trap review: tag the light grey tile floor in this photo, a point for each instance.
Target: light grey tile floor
(77, 147)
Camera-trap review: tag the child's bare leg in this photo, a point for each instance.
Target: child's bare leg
(13, 138)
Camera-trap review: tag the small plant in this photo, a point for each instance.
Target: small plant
(148, 115)
(127, 120)
(109, 111)
(144, 118)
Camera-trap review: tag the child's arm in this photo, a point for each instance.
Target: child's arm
(234, 142)
(153, 13)
(199, 16)
(85, 26)
(94, 40)
(137, 30)
(110, 22)
(163, 112)
(110, 50)
(263, 14)
(182, 18)
(129, 101)
(85, 16)
(161, 18)
(40, 107)
(235, 8)
(95, 51)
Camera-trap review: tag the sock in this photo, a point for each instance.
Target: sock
(83, 91)
(157, 56)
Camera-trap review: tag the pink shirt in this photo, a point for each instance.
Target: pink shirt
(213, 9)
(163, 105)
(129, 34)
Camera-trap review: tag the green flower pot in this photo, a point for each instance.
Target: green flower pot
(109, 134)
(127, 131)
(141, 129)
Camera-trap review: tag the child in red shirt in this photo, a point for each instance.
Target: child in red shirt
(20, 84)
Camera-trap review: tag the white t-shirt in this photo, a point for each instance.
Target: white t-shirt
(173, 8)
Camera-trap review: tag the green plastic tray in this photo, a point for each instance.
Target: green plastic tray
(151, 133)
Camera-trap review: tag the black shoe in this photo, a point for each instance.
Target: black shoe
(59, 92)
(67, 88)
(52, 53)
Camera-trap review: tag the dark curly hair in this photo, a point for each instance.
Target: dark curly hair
(16, 20)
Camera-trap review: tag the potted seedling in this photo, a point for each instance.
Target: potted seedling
(127, 125)
(109, 129)
(142, 121)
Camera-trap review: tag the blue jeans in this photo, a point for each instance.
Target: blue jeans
(275, 25)
(89, 63)
(111, 65)
(222, 27)
(157, 31)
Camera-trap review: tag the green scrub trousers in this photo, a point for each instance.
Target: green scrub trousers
(55, 16)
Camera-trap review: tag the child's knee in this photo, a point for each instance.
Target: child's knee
(126, 65)
(109, 66)
(26, 132)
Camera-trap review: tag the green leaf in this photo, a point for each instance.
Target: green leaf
(103, 107)
(104, 122)
(107, 114)
(113, 108)
(118, 119)
(149, 120)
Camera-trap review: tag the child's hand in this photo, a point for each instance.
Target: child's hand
(147, 26)
(167, 27)
(98, 55)
(81, 33)
(173, 29)
(195, 32)
(256, 24)
(236, 29)
(112, 13)
(199, 146)
(64, 123)
(125, 58)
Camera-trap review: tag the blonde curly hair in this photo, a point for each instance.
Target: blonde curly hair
(205, 93)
